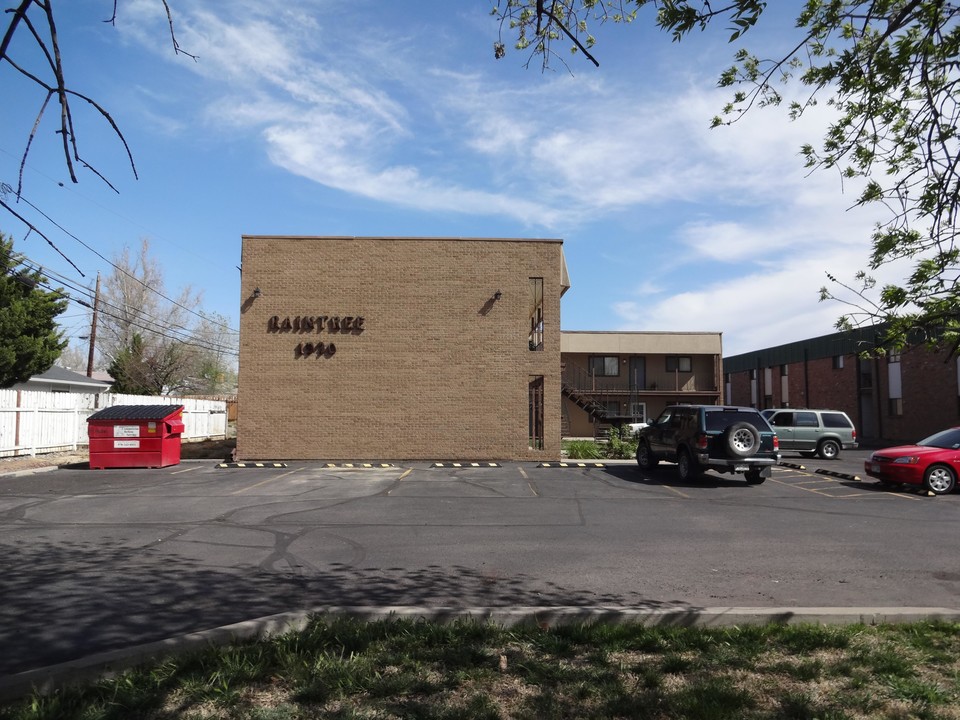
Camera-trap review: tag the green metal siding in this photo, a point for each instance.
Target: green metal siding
(849, 342)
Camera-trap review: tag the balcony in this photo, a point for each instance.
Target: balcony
(594, 394)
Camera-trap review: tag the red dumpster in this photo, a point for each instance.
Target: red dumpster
(135, 436)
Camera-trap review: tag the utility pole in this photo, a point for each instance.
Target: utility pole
(93, 327)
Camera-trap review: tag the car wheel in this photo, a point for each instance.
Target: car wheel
(686, 466)
(828, 449)
(939, 479)
(646, 460)
(741, 440)
(754, 477)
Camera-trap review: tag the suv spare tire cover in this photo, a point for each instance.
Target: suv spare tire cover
(741, 440)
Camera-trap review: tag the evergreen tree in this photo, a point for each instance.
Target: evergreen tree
(30, 342)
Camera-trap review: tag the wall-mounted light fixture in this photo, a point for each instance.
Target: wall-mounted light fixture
(257, 292)
(497, 295)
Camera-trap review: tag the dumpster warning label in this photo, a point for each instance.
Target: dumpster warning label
(121, 444)
(126, 431)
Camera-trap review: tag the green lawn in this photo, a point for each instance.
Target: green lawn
(349, 668)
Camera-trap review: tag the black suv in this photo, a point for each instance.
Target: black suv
(710, 437)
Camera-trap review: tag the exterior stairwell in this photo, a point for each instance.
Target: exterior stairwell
(594, 409)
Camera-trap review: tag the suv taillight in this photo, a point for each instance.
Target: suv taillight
(776, 443)
(853, 433)
(701, 441)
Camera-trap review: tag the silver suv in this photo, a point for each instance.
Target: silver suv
(810, 432)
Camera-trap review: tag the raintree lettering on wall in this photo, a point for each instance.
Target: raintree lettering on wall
(315, 324)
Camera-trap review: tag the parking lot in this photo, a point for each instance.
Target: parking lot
(96, 560)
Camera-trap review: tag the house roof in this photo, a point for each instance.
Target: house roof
(61, 376)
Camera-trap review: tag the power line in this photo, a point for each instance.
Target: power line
(146, 322)
(100, 255)
(147, 325)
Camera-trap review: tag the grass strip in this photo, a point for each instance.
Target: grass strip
(350, 669)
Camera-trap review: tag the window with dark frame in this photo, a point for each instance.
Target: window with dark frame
(536, 405)
(838, 362)
(535, 339)
(679, 363)
(896, 407)
(605, 365)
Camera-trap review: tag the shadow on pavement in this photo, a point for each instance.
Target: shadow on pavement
(63, 603)
(666, 474)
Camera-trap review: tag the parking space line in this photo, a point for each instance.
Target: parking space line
(831, 483)
(800, 487)
(189, 469)
(678, 492)
(268, 480)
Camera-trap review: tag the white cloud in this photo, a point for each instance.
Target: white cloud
(369, 113)
(771, 306)
(386, 120)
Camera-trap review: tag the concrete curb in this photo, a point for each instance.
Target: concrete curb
(47, 679)
(821, 471)
(842, 476)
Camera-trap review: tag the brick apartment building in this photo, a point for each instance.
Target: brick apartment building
(901, 397)
(615, 377)
(400, 348)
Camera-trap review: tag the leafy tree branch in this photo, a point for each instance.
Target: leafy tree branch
(890, 71)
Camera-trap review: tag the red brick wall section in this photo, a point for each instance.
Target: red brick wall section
(929, 386)
(797, 386)
(439, 371)
(833, 388)
(928, 383)
(740, 389)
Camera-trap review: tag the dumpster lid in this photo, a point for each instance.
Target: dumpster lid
(136, 412)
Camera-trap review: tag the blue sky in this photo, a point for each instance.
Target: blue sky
(383, 118)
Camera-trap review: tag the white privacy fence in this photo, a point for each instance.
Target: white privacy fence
(32, 421)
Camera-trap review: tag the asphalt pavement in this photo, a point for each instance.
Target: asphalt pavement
(99, 562)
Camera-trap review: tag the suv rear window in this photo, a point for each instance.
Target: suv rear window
(835, 420)
(718, 420)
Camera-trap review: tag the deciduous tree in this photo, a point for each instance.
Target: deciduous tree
(155, 343)
(890, 70)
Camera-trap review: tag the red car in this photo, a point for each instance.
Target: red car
(934, 462)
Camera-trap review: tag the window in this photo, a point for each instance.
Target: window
(782, 419)
(896, 407)
(784, 371)
(535, 339)
(536, 404)
(836, 420)
(893, 356)
(638, 410)
(679, 363)
(838, 362)
(611, 407)
(806, 419)
(605, 365)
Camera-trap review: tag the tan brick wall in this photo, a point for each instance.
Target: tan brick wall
(439, 370)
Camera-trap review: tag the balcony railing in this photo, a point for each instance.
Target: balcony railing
(585, 382)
